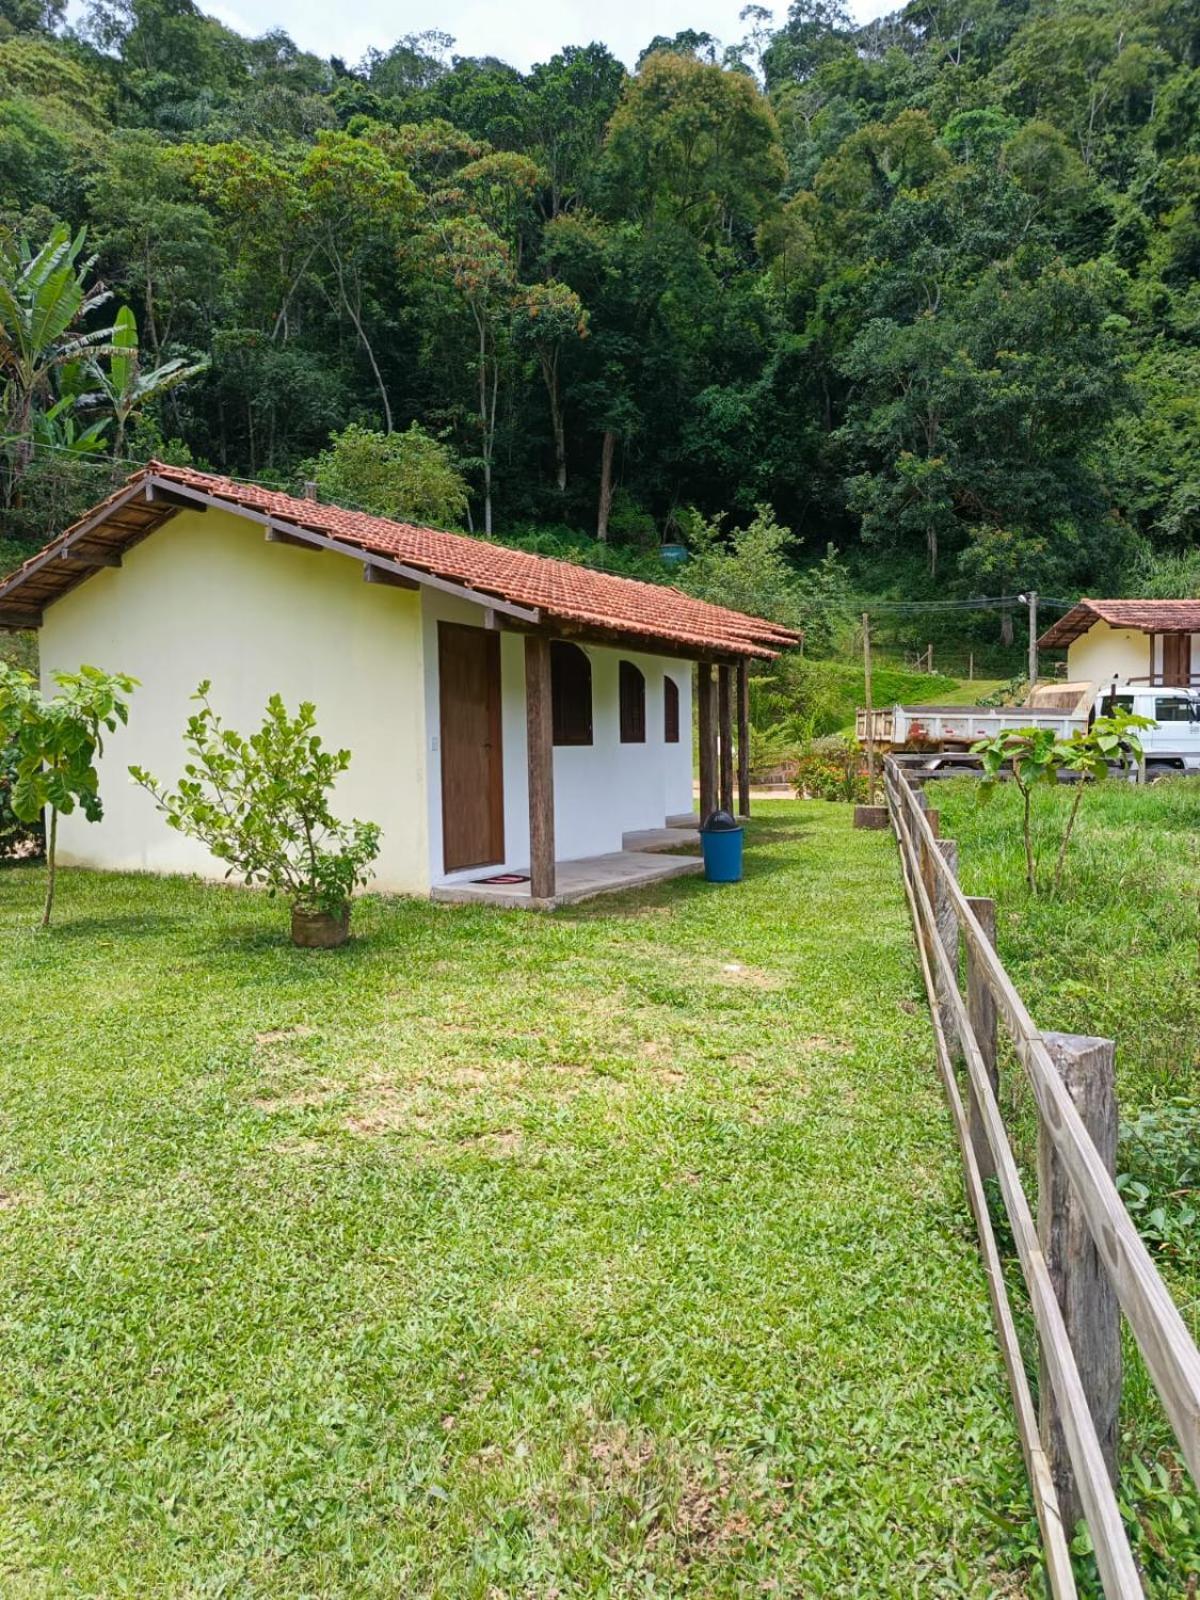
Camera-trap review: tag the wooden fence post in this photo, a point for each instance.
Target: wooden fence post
(946, 922)
(981, 1009)
(1081, 1282)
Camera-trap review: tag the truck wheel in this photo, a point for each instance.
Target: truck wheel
(1160, 771)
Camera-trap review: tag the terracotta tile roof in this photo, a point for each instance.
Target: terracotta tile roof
(1147, 616)
(557, 589)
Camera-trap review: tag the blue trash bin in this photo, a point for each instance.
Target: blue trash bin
(721, 846)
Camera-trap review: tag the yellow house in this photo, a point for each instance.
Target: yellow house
(1151, 642)
(506, 713)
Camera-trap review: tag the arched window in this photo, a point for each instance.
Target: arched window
(633, 705)
(670, 710)
(570, 693)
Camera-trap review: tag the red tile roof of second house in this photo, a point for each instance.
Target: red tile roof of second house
(559, 589)
(1146, 616)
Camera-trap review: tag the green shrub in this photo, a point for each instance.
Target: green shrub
(410, 476)
(831, 769)
(261, 805)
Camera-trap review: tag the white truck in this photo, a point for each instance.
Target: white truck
(1172, 745)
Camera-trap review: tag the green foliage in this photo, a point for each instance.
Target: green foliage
(926, 287)
(1159, 1179)
(18, 835)
(45, 297)
(831, 769)
(57, 741)
(1125, 970)
(694, 145)
(261, 804)
(409, 476)
(748, 568)
(125, 387)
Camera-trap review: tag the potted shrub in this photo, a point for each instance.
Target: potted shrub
(261, 804)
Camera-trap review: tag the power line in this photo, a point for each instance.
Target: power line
(981, 603)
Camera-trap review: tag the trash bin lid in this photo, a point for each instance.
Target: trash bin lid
(721, 822)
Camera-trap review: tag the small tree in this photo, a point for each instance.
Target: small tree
(58, 741)
(1036, 756)
(261, 804)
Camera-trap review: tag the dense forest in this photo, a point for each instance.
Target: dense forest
(926, 289)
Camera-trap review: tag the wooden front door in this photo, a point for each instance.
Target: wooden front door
(472, 758)
(1177, 658)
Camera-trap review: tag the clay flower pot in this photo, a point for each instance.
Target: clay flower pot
(320, 930)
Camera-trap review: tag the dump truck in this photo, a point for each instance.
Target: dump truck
(1170, 746)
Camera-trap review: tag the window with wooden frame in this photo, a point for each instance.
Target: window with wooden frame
(570, 693)
(633, 704)
(670, 710)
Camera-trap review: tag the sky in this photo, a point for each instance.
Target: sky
(520, 31)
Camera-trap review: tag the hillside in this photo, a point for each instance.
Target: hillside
(927, 288)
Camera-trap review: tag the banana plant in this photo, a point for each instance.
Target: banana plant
(57, 429)
(45, 297)
(125, 389)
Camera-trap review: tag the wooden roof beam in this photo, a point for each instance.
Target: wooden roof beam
(392, 580)
(92, 558)
(276, 535)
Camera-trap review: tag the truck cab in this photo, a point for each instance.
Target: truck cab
(1172, 745)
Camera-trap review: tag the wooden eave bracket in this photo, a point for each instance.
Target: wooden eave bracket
(90, 558)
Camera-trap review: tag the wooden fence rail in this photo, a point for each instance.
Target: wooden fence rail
(1070, 1460)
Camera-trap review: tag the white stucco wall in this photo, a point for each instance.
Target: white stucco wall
(1103, 653)
(601, 790)
(207, 597)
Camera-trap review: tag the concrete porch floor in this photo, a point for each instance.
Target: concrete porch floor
(672, 837)
(631, 868)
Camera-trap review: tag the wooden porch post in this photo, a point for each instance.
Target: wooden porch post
(707, 728)
(725, 719)
(539, 729)
(743, 737)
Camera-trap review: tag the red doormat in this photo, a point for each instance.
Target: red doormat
(504, 877)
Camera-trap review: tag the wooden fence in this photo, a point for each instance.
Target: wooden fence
(1083, 1261)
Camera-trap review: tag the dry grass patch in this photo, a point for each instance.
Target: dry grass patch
(500, 1142)
(299, 1030)
(303, 1099)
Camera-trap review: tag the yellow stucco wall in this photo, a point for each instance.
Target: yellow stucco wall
(1103, 653)
(207, 597)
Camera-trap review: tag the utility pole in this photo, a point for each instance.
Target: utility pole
(1031, 600)
(866, 622)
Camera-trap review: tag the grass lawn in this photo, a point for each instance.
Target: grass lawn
(619, 1252)
(1117, 953)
